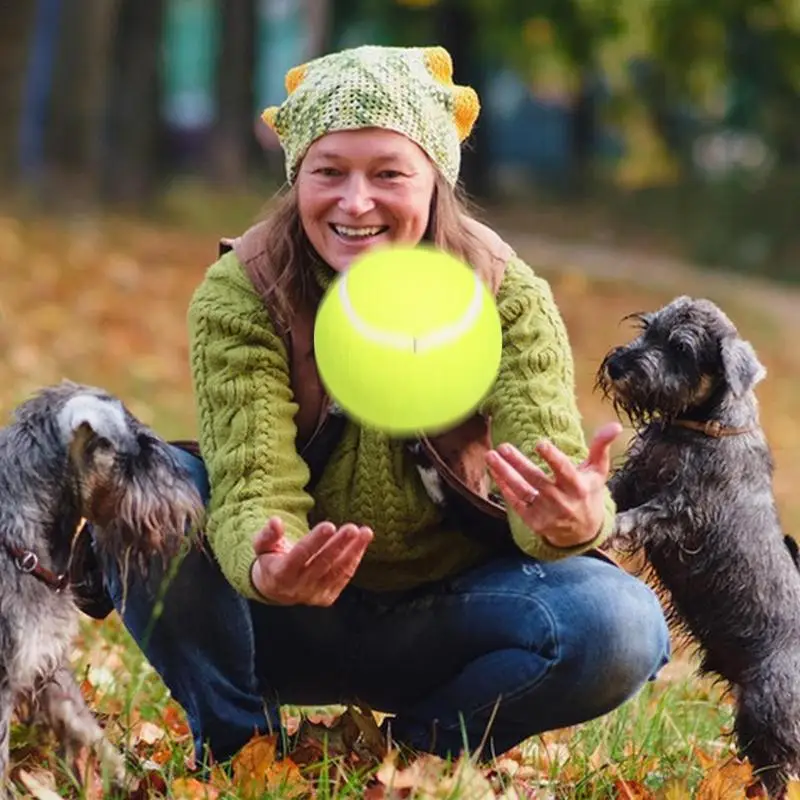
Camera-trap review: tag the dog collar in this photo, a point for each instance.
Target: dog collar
(711, 427)
(27, 561)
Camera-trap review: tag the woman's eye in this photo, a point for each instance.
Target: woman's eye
(390, 174)
(327, 172)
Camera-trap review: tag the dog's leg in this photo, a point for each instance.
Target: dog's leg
(6, 710)
(62, 707)
(631, 526)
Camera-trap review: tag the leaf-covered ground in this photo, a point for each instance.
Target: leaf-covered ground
(104, 303)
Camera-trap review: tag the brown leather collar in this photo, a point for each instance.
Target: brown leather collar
(711, 427)
(27, 561)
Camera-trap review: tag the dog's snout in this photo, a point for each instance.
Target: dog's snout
(615, 367)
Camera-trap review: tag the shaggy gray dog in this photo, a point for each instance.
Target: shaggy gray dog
(71, 453)
(695, 498)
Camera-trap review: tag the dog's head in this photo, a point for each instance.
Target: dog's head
(128, 483)
(688, 355)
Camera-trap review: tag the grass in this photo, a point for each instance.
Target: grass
(103, 301)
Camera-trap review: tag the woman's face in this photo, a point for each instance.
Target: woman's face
(362, 188)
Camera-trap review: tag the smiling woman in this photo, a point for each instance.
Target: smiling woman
(453, 581)
(356, 189)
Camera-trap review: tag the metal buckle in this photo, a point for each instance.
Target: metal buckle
(27, 562)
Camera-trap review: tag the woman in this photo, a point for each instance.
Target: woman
(345, 568)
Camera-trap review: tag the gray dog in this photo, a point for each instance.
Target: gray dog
(71, 453)
(695, 498)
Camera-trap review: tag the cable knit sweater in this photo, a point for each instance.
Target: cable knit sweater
(247, 437)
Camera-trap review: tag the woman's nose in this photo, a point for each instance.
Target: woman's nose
(356, 198)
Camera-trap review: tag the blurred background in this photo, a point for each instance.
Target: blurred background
(630, 150)
(670, 120)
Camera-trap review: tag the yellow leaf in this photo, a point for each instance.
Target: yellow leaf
(793, 790)
(675, 790)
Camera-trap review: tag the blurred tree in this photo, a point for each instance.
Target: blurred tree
(75, 122)
(132, 162)
(232, 139)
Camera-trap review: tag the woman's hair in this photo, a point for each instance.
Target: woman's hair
(286, 279)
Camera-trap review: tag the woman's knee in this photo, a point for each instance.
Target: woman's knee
(622, 642)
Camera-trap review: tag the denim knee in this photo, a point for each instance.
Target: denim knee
(624, 644)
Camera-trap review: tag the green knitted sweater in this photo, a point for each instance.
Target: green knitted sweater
(247, 437)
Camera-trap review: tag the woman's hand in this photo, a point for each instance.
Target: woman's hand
(567, 508)
(312, 572)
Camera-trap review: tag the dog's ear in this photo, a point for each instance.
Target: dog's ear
(742, 368)
(85, 414)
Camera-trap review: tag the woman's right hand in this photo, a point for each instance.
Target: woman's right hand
(312, 572)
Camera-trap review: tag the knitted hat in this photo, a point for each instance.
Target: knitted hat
(408, 90)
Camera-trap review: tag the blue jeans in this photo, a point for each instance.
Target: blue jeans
(555, 643)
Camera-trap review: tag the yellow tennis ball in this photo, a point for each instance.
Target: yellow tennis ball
(408, 340)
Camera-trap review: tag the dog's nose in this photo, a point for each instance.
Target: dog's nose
(615, 368)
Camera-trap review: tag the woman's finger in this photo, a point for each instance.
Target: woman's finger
(509, 481)
(565, 472)
(530, 472)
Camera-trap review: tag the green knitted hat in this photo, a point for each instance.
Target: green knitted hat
(408, 90)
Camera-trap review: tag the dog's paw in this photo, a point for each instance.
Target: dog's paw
(624, 535)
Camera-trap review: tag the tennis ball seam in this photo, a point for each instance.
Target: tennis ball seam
(417, 344)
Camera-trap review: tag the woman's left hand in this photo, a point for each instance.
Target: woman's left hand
(567, 508)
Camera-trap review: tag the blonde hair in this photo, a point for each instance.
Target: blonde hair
(284, 278)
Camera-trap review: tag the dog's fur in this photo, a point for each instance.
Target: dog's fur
(73, 452)
(700, 508)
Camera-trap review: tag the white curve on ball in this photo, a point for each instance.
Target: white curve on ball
(417, 344)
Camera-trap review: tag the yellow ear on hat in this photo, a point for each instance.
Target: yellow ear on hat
(294, 77)
(439, 64)
(466, 107)
(269, 115)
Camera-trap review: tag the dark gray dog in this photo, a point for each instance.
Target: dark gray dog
(74, 452)
(694, 496)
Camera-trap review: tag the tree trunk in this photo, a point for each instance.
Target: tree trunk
(76, 120)
(131, 162)
(232, 139)
(582, 135)
(16, 23)
(456, 29)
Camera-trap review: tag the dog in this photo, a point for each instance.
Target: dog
(72, 453)
(695, 499)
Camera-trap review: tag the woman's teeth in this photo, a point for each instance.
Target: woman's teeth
(359, 233)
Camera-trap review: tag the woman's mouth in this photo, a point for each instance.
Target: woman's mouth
(363, 233)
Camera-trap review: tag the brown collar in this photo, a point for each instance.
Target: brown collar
(711, 427)
(28, 562)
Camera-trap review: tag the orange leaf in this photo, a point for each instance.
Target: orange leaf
(256, 770)
(192, 789)
(727, 781)
(631, 790)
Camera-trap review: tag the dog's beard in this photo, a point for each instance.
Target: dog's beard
(144, 515)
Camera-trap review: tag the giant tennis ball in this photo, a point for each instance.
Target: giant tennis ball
(408, 340)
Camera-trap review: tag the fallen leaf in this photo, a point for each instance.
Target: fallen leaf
(631, 790)
(256, 769)
(192, 789)
(793, 790)
(726, 781)
(675, 790)
(144, 732)
(40, 783)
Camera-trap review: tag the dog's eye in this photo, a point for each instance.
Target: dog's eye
(100, 443)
